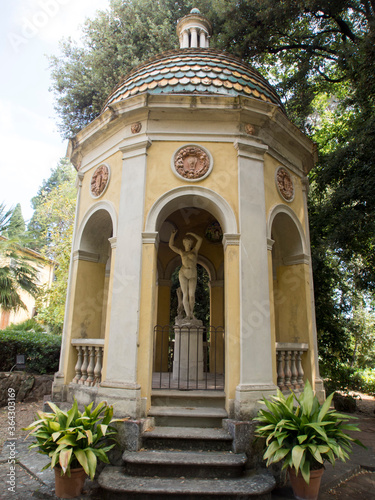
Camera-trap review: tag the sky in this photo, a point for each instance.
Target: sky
(30, 143)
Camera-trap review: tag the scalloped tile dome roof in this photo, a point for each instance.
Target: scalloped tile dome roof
(194, 71)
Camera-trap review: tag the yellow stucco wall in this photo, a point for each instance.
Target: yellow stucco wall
(112, 192)
(160, 178)
(290, 304)
(88, 300)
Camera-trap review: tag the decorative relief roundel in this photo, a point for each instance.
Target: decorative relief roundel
(99, 181)
(192, 162)
(284, 184)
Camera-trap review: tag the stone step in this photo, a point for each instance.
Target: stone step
(116, 485)
(187, 438)
(202, 464)
(162, 397)
(169, 416)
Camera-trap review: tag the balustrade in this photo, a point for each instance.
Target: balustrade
(89, 361)
(290, 374)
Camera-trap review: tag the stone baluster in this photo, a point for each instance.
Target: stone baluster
(300, 372)
(98, 366)
(293, 370)
(280, 370)
(85, 365)
(91, 366)
(288, 373)
(78, 366)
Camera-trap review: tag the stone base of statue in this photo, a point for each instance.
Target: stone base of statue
(188, 350)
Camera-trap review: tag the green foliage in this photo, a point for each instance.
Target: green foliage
(52, 227)
(345, 378)
(304, 435)
(38, 226)
(17, 271)
(30, 325)
(74, 439)
(41, 350)
(16, 225)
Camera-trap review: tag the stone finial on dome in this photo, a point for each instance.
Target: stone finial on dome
(194, 30)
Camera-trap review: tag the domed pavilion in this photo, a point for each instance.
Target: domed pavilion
(194, 141)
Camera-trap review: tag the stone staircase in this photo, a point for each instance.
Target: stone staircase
(187, 455)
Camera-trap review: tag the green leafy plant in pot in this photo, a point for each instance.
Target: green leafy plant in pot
(74, 441)
(304, 435)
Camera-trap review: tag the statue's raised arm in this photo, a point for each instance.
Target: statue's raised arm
(171, 242)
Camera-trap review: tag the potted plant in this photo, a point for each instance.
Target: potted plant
(304, 436)
(73, 440)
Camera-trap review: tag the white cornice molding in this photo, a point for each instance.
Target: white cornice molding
(113, 242)
(135, 146)
(270, 243)
(296, 259)
(251, 149)
(86, 256)
(151, 238)
(231, 239)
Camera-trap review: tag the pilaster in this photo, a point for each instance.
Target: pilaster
(121, 356)
(256, 365)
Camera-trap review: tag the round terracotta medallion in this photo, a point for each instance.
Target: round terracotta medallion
(192, 163)
(99, 181)
(284, 184)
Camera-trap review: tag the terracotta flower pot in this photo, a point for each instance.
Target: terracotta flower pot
(69, 487)
(302, 490)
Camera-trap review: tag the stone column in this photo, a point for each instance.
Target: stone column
(185, 40)
(120, 376)
(256, 378)
(194, 38)
(202, 39)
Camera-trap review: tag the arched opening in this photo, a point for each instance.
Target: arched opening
(289, 285)
(93, 258)
(292, 315)
(209, 295)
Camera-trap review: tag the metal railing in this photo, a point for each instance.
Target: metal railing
(290, 374)
(188, 357)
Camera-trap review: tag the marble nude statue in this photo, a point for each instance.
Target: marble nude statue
(188, 272)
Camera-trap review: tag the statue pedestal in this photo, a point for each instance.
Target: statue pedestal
(188, 353)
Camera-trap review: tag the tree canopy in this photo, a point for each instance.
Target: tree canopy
(51, 229)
